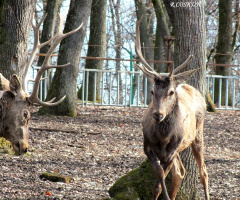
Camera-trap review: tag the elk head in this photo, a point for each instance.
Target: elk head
(15, 115)
(165, 84)
(15, 103)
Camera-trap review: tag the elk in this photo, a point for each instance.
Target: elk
(15, 103)
(173, 121)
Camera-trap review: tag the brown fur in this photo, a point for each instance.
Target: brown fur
(15, 115)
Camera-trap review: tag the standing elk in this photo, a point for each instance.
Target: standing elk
(15, 103)
(173, 121)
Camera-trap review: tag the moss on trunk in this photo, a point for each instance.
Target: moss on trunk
(137, 184)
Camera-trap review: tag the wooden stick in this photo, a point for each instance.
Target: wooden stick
(54, 130)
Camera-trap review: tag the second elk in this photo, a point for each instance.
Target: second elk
(15, 103)
(173, 121)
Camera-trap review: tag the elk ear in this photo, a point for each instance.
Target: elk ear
(5, 103)
(184, 76)
(15, 85)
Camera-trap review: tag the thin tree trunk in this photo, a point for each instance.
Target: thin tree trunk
(16, 21)
(224, 47)
(65, 80)
(145, 40)
(114, 7)
(49, 23)
(96, 47)
(161, 32)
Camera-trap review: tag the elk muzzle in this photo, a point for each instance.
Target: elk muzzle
(20, 147)
(20, 140)
(158, 116)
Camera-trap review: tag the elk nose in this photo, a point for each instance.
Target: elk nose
(157, 116)
(26, 150)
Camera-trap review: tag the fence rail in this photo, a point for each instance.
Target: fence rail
(129, 88)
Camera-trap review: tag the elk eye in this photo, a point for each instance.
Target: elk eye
(152, 92)
(25, 114)
(171, 93)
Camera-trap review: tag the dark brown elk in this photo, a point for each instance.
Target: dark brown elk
(15, 103)
(173, 121)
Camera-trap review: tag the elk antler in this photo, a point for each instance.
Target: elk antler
(183, 65)
(57, 38)
(147, 70)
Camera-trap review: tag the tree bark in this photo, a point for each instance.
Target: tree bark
(15, 24)
(161, 31)
(224, 47)
(65, 80)
(190, 40)
(47, 32)
(145, 40)
(96, 47)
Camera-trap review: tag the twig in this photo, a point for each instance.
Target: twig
(54, 130)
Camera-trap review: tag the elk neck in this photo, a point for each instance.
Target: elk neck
(166, 126)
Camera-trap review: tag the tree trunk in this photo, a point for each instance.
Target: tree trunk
(47, 32)
(190, 40)
(145, 40)
(224, 47)
(114, 7)
(65, 80)
(96, 47)
(16, 20)
(161, 31)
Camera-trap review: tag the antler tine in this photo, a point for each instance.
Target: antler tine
(57, 38)
(36, 47)
(146, 69)
(183, 65)
(48, 103)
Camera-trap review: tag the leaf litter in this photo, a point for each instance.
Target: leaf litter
(102, 144)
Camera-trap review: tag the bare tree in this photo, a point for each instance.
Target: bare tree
(224, 47)
(51, 8)
(65, 80)
(117, 32)
(189, 24)
(162, 31)
(145, 38)
(96, 47)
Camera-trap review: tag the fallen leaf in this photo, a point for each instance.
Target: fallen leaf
(48, 193)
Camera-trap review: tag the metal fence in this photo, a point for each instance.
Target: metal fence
(232, 91)
(126, 88)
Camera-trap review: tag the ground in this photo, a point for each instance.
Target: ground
(102, 144)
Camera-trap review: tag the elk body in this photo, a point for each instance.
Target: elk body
(15, 103)
(173, 121)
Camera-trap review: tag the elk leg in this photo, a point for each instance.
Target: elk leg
(159, 171)
(157, 190)
(178, 173)
(197, 149)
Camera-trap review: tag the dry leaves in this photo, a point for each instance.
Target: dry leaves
(105, 143)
